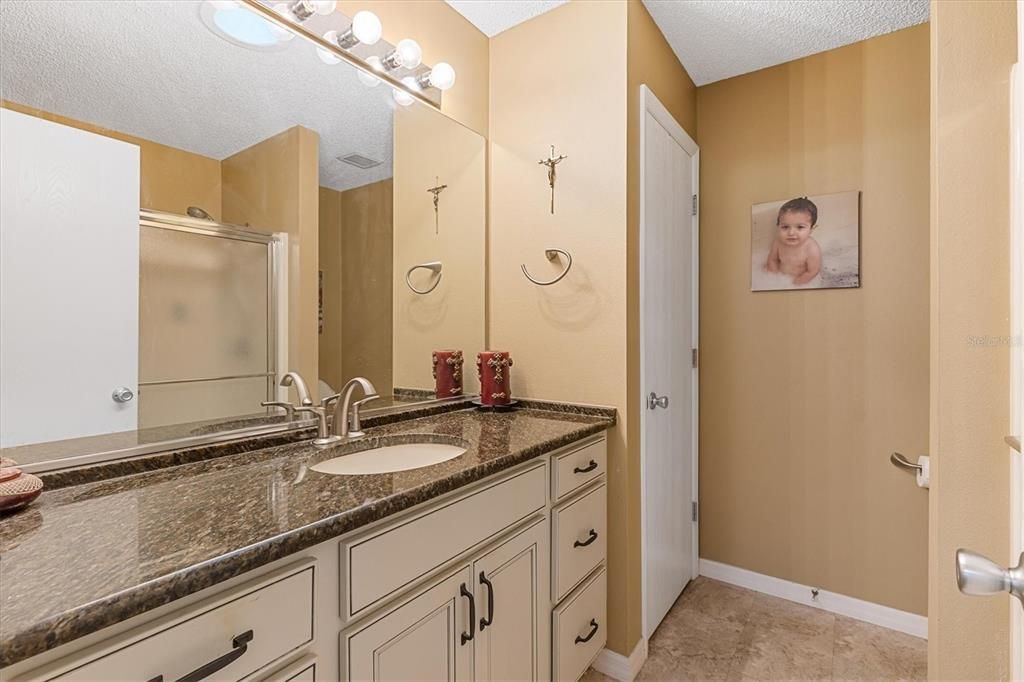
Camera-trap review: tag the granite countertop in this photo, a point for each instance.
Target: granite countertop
(86, 556)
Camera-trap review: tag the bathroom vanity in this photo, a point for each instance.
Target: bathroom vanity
(255, 566)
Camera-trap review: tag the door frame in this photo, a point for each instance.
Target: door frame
(649, 103)
(1017, 331)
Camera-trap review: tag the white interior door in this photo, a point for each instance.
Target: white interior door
(668, 295)
(69, 280)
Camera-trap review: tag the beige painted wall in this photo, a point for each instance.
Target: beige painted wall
(429, 146)
(170, 179)
(651, 62)
(805, 394)
(330, 346)
(445, 36)
(273, 186)
(973, 46)
(357, 271)
(568, 340)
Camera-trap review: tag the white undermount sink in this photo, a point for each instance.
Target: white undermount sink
(389, 458)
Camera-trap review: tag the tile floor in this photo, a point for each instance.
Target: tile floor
(717, 631)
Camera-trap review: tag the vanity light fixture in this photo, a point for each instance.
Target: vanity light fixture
(369, 80)
(403, 97)
(301, 10)
(406, 54)
(366, 29)
(442, 77)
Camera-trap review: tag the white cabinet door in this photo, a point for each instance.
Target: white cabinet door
(513, 629)
(69, 280)
(424, 638)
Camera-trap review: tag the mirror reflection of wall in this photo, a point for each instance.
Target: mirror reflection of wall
(310, 209)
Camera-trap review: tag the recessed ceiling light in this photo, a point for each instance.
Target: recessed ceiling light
(237, 24)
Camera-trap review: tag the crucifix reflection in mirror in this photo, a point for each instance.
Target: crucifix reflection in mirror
(551, 162)
(436, 191)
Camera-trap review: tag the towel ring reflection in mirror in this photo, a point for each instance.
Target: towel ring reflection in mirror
(434, 266)
(551, 254)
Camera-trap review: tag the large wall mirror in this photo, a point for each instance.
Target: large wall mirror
(195, 202)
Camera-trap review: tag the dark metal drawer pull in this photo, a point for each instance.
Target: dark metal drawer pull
(593, 536)
(239, 646)
(590, 635)
(589, 467)
(489, 620)
(468, 637)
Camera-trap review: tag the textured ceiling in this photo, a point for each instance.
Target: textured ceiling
(717, 39)
(494, 16)
(153, 69)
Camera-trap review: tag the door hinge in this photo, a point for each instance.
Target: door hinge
(694, 507)
(694, 204)
(694, 357)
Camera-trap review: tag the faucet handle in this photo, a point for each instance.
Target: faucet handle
(288, 407)
(356, 429)
(324, 402)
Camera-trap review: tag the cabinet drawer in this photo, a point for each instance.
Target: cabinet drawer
(579, 627)
(579, 539)
(303, 670)
(380, 565)
(576, 468)
(263, 623)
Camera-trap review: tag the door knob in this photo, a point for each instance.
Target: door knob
(654, 401)
(979, 575)
(122, 394)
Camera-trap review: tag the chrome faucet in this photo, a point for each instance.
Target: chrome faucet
(324, 437)
(300, 387)
(347, 426)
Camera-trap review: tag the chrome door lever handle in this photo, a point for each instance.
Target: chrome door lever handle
(653, 401)
(978, 575)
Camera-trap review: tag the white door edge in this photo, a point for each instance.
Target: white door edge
(649, 103)
(1017, 333)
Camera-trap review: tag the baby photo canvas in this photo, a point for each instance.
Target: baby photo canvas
(807, 242)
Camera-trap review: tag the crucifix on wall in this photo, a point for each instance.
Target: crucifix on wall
(436, 191)
(551, 162)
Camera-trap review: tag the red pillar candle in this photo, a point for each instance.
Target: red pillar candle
(447, 373)
(494, 367)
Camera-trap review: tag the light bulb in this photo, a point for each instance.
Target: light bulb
(326, 56)
(367, 79)
(407, 53)
(403, 97)
(366, 27)
(442, 76)
(300, 10)
(323, 7)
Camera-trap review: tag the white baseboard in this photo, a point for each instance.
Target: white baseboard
(620, 667)
(869, 612)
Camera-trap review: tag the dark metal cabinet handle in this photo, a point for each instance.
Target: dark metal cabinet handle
(590, 635)
(239, 646)
(589, 467)
(593, 536)
(489, 620)
(468, 637)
